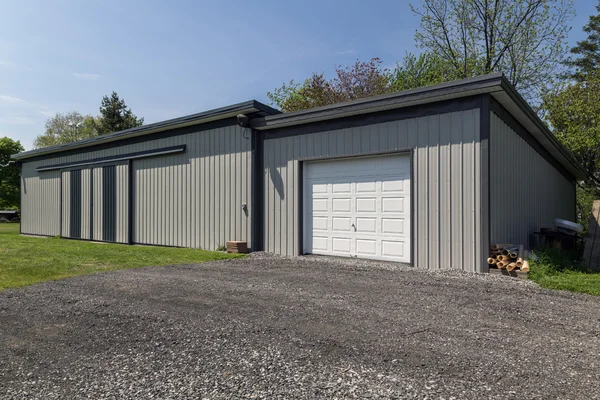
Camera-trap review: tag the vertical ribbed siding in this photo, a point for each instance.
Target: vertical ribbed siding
(40, 212)
(446, 182)
(526, 191)
(194, 199)
(86, 203)
(97, 203)
(122, 202)
(66, 204)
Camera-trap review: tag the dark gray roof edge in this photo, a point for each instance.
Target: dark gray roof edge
(386, 100)
(464, 87)
(251, 106)
(531, 114)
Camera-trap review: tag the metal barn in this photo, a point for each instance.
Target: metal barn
(418, 177)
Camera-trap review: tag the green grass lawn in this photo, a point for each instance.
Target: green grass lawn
(558, 269)
(28, 260)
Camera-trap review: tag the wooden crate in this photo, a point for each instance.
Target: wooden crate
(237, 246)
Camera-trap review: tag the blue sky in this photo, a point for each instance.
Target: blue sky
(172, 58)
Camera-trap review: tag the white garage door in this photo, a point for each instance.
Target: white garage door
(358, 207)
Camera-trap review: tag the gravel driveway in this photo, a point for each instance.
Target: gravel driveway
(269, 327)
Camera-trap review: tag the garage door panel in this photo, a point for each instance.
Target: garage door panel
(366, 187)
(365, 224)
(341, 205)
(392, 248)
(342, 224)
(319, 243)
(366, 204)
(319, 205)
(320, 223)
(341, 187)
(366, 247)
(393, 225)
(341, 244)
(358, 207)
(392, 204)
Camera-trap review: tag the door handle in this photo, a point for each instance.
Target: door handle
(354, 226)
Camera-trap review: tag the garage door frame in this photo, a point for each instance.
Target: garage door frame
(412, 196)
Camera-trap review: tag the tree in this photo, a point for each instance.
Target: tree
(10, 191)
(587, 52)
(573, 110)
(362, 79)
(525, 39)
(66, 128)
(418, 71)
(115, 116)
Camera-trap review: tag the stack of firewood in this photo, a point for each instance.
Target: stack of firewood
(509, 257)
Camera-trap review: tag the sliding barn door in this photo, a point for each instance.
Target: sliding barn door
(95, 203)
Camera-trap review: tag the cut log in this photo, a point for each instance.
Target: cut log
(511, 266)
(499, 246)
(525, 266)
(501, 264)
(491, 260)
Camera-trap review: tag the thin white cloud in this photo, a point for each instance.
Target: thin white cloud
(346, 52)
(47, 113)
(12, 100)
(86, 75)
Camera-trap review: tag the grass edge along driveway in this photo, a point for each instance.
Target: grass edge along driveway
(28, 260)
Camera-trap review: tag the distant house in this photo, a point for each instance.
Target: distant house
(429, 177)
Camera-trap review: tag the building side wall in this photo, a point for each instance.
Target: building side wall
(526, 191)
(190, 199)
(445, 183)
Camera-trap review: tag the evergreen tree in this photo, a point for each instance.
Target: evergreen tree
(587, 52)
(115, 116)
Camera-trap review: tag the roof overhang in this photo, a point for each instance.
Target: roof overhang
(249, 107)
(494, 84)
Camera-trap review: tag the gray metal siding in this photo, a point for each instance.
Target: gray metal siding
(526, 192)
(86, 202)
(192, 199)
(195, 199)
(97, 213)
(66, 204)
(446, 183)
(40, 205)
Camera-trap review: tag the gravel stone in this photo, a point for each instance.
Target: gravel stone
(269, 327)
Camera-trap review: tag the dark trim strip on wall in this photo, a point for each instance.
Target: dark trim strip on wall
(138, 139)
(110, 159)
(257, 184)
(509, 120)
(300, 210)
(91, 178)
(484, 153)
(109, 203)
(60, 206)
(130, 202)
(413, 208)
(75, 206)
(422, 110)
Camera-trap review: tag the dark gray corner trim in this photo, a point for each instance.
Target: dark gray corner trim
(110, 159)
(509, 120)
(130, 200)
(484, 143)
(258, 195)
(422, 110)
(229, 112)
(444, 91)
